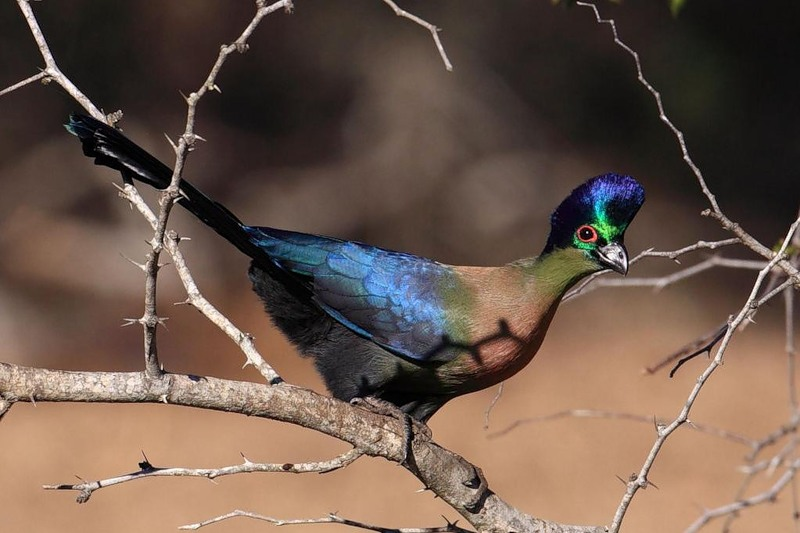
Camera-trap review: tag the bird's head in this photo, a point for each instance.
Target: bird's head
(593, 219)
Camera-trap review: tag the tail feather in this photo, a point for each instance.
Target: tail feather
(110, 148)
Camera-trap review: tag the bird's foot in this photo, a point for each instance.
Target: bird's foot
(479, 483)
(382, 407)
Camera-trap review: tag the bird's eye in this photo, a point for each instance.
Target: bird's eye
(586, 234)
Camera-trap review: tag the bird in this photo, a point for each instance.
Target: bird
(405, 330)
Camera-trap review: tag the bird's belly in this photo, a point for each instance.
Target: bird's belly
(491, 364)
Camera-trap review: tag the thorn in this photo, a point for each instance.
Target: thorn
(141, 266)
(130, 321)
(145, 464)
(215, 87)
(32, 399)
(186, 98)
(623, 481)
(163, 398)
(171, 142)
(246, 460)
(450, 524)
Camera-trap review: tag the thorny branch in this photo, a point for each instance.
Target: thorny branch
(330, 519)
(185, 145)
(768, 496)
(640, 481)
(592, 282)
(457, 482)
(86, 488)
(752, 303)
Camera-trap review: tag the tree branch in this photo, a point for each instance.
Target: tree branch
(428, 26)
(591, 282)
(614, 415)
(146, 470)
(36, 77)
(330, 519)
(150, 319)
(751, 304)
(51, 69)
(459, 483)
(196, 298)
(768, 496)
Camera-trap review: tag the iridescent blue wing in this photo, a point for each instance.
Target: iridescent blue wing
(391, 298)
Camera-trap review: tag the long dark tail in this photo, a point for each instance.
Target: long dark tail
(110, 148)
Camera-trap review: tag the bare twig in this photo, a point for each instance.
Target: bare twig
(745, 313)
(494, 401)
(196, 298)
(614, 415)
(662, 115)
(51, 69)
(699, 245)
(715, 211)
(702, 344)
(588, 284)
(768, 496)
(36, 77)
(330, 519)
(659, 283)
(752, 303)
(428, 26)
(773, 437)
(86, 488)
(185, 145)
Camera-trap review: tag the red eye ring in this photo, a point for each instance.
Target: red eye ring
(586, 233)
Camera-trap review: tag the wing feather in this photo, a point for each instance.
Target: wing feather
(392, 298)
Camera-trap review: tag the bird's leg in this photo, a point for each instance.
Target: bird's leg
(382, 407)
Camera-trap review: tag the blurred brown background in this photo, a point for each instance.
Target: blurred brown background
(341, 120)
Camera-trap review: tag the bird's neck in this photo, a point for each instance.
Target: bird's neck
(553, 273)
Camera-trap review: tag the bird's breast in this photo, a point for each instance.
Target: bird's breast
(505, 326)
